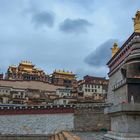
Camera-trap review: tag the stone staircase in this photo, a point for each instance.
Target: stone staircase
(64, 135)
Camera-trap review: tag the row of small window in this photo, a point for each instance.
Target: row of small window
(16, 96)
(98, 95)
(4, 91)
(90, 90)
(64, 93)
(25, 77)
(8, 91)
(93, 86)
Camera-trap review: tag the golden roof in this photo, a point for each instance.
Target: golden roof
(63, 72)
(26, 67)
(26, 63)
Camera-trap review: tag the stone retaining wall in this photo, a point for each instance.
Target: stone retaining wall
(44, 120)
(91, 119)
(36, 124)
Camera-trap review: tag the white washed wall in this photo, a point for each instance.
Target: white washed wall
(36, 124)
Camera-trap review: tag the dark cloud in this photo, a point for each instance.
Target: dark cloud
(101, 55)
(43, 18)
(75, 26)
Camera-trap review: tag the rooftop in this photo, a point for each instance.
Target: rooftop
(64, 72)
(26, 63)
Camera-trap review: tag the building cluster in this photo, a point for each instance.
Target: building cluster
(69, 90)
(10, 95)
(93, 87)
(27, 71)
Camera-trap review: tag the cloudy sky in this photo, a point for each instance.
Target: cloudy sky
(73, 35)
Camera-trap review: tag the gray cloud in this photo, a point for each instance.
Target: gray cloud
(101, 55)
(43, 18)
(75, 26)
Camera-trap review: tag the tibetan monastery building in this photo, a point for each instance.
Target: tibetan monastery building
(26, 71)
(63, 78)
(124, 68)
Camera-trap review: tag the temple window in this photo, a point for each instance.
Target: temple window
(133, 70)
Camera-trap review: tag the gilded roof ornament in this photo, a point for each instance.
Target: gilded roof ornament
(136, 20)
(64, 72)
(115, 49)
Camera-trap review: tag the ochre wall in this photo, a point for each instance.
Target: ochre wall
(29, 84)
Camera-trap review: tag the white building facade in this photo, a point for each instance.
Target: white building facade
(93, 87)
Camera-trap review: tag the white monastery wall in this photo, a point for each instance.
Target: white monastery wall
(36, 124)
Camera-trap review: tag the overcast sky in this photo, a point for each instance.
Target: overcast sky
(74, 35)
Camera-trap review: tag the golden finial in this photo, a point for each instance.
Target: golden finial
(137, 22)
(114, 49)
